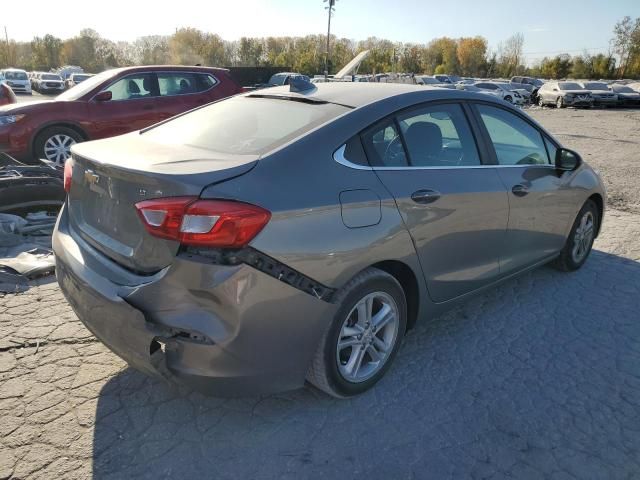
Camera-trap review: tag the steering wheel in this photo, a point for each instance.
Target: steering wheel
(394, 153)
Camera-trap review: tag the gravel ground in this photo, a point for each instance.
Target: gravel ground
(609, 140)
(538, 378)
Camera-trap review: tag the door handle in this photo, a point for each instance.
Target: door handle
(519, 190)
(425, 196)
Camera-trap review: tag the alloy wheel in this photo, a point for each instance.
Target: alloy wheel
(583, 237)
(367, 337)
(57, 148)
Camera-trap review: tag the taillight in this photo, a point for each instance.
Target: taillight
(212, 223)
(68, 174)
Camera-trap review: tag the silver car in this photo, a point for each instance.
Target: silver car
(298, 232)
(601, 93)
(564, 94)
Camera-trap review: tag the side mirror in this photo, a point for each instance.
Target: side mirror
(567, 160)
(103, 96)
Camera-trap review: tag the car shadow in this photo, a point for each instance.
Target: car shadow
(536, 378)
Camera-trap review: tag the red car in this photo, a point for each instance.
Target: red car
(111, 103)
(6, 95)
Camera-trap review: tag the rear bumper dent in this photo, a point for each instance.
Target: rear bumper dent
(222, 330)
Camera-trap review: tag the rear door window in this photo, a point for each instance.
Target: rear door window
(184, 83)
(383, 145)
(515, 141)
(438, 136)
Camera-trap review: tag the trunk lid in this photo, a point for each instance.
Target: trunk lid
(110, 176)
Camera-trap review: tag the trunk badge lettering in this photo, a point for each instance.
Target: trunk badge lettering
(91, 177)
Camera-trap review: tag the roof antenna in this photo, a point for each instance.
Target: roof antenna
(299, 84)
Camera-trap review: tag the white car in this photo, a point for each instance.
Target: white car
(432, 81)
(502, 90)
(17, 79)
(49, 83)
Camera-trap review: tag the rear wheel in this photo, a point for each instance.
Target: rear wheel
(54, 144)
(580, 241)
(364, 336)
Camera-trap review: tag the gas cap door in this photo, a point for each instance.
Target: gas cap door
(360, 208)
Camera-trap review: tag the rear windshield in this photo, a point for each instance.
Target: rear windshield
(596, 86)
(623, 89)
(15, 75)
(570, 86)
(244, 125)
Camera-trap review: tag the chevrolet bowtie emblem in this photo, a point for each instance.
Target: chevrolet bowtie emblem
(91, 177)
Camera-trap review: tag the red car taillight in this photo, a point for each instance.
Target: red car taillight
(68, 174)
(211, 223)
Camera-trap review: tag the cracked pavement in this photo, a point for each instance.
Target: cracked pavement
(538, 378)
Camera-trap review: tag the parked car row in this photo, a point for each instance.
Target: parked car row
(111, 103)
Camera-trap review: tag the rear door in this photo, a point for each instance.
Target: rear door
(454, 206)
(540, 200)
(133, 106)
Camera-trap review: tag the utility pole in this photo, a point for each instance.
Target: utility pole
(6, 53)
(330, 9)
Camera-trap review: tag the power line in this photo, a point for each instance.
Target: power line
(565, 51)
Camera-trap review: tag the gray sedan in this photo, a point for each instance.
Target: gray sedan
(298, 232)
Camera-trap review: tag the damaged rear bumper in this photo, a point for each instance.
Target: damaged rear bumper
(223, 330)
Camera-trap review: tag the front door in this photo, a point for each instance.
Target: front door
(540, 205)
(133, 106)
(455, 207)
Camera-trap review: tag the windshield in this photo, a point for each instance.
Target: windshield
(244, 125)
(622, 89)
(15, 75)
(596, 86)
(429, 80)
(569, 86)
(51, 77)
(78, 91)
(79, 78)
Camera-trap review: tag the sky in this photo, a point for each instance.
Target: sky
(549, 27)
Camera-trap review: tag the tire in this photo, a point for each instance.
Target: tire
(559, 102)
(540, 101)
(508, 99)
(47, 138)
(327, 370)
(568, 261)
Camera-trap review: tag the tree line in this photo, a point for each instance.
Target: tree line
(467, 56)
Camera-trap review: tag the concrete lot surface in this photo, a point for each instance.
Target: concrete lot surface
(539, 378)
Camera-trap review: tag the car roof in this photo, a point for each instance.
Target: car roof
(165, 68)
(359, 94)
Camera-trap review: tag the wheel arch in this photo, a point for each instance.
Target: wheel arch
(407, 279)
(66, 124)
(598, 200)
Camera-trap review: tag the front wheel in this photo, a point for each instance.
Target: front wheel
(580, 241)
(540, 101)
(508, 99)
(54, 144)
(364, 336)
(559, 102)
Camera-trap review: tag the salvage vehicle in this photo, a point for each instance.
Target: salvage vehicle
(6, 95)
(432, 81)
(601, 93)
(17, 79)
(627, 97)
(564, 94)
(501, 90)
(238, 255)
(111, 103)
(49, 82)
